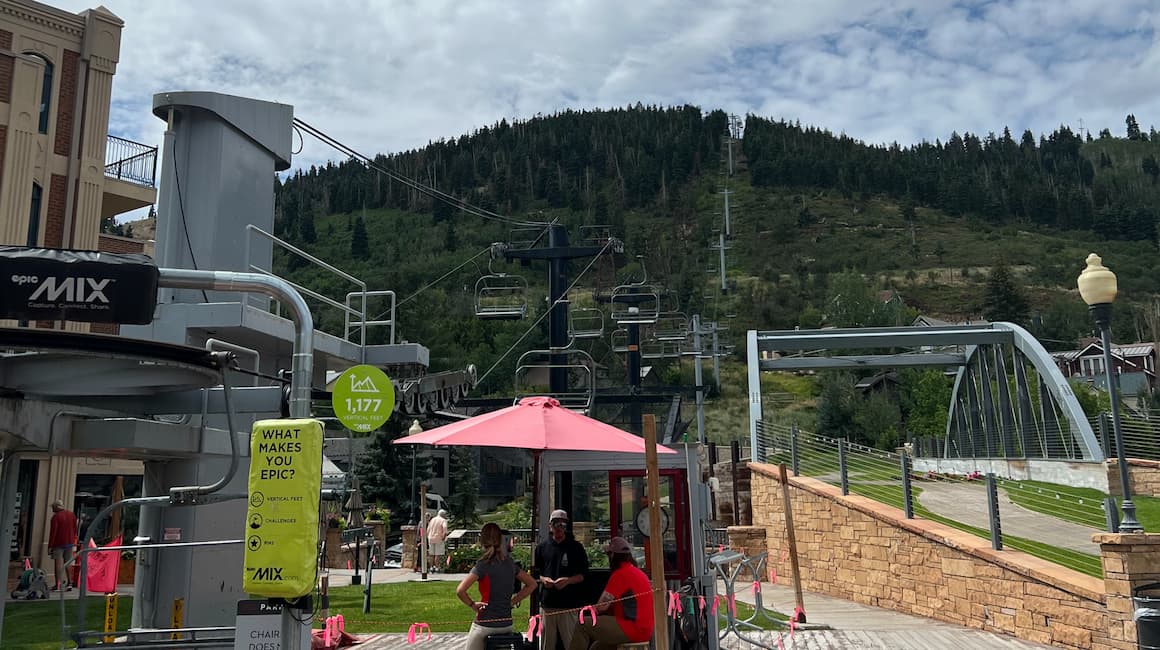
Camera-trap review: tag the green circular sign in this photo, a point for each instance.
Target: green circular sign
(363, 398)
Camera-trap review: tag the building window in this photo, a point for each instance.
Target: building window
(34, 217)
(45, 91)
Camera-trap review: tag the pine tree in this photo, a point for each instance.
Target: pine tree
(1003, 300)
(306, 229)
(464, 497)
(384, 470)
(360, 248)
(1133, 127)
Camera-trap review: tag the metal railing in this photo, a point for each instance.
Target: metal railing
(970, 502)
(355, 319)
(131, 161)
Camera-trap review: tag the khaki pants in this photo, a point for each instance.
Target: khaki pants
(560, 626)
(606, 633)
(477, 635)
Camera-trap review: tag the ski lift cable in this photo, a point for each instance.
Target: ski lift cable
(434, 282)
(545, 314)
(429, 191)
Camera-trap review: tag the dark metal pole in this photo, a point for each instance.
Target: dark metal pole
(412, 522)
(907, 493)
(1103, 316)
(633, 363)
(993, 511)
(842, 467)
(558, 338)
(734, 458)
(793, 449)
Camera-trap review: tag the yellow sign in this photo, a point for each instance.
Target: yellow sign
(178, 617)
(282, 518)
(110, 617)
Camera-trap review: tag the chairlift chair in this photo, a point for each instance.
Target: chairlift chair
(499, 296)
(671, 326)
(576, 362)
(585, 323)
(635, 303)
(619, 340)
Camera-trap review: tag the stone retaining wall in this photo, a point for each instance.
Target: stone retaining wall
(856, 548)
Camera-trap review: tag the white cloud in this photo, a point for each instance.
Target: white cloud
(386, 77)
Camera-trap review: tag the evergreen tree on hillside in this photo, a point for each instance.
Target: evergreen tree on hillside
(464, 497)
(384, 470)
(360, 248)
(1133, 127)
(1003, 299)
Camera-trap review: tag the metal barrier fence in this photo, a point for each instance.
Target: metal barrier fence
(973, 502)
(1141, 433)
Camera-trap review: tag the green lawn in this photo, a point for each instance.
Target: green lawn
(1077, 505)
(394, 607)
(36, 625)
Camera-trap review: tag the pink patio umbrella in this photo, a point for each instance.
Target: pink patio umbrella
(538, 424)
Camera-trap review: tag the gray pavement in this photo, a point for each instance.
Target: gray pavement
(967, 503)
(852, 626)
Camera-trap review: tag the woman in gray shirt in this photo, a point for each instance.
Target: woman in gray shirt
(496, 574)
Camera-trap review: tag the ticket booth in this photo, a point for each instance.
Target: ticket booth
(684, 504)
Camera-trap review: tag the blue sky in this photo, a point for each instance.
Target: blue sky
(385, 76)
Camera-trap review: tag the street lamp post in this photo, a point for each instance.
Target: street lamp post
(1097, 286)
(415, 429)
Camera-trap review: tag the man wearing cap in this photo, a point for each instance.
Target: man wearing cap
(625, 607)
(437, 539)
(62, 537)
(559, 565)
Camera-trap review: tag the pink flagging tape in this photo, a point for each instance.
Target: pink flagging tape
(756, 587)
(416, 630)
(675, 607)
(773, 575)
(716, 599)
(702, 602)
(799, 615)
(534, 628)
(591, 610)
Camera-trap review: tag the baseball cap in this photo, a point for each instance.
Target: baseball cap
(618, 545)
(557, 514)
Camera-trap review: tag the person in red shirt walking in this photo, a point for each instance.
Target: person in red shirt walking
(62, 538)
(626, 606)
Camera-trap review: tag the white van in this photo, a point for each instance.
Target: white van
(435, 503)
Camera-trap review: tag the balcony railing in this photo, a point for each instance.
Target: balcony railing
(131, 161)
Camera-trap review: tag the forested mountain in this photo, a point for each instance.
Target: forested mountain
(813, 212)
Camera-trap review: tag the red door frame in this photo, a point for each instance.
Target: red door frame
(680, 514)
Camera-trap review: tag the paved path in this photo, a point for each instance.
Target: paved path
(967, 503)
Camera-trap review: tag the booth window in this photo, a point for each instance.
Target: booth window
(34, 217)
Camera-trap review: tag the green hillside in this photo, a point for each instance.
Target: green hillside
(814, 216)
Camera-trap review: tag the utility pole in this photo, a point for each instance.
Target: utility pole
(697, 378)
(728, 223)
(557, 253)
(721, 247)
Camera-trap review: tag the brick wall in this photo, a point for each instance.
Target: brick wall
(54, 224)
(855, 548)
(1144, 476)
(66, 102)
(7, 65)
(115, 244)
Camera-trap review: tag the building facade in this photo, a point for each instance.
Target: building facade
(61, 175)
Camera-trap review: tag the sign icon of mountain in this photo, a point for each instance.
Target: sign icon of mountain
(363, 385)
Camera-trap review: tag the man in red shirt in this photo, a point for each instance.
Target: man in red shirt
(626, 606)
(62, 537)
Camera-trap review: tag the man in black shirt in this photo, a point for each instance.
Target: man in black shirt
(559, 565)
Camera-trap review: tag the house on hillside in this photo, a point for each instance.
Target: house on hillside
(1135, 363)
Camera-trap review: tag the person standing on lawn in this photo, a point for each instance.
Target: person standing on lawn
(497, 573)
(62, 539)
(560, 564)
(437, 540)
